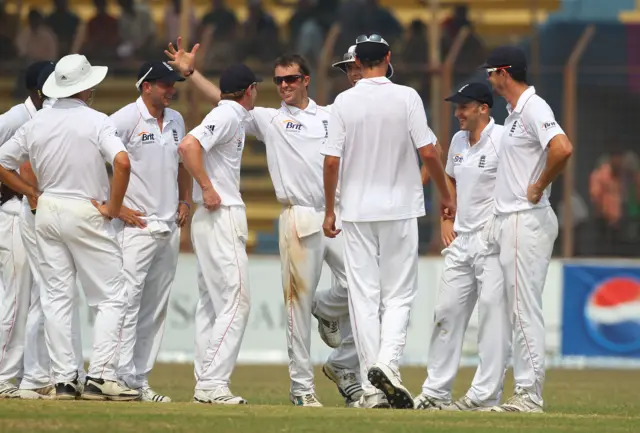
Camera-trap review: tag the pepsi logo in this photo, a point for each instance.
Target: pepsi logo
(612, 314)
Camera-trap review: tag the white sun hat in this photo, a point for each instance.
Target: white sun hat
(350, 57)
(72, 75)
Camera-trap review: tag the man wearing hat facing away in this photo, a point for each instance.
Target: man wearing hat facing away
(376, 127)
(470, 274)
(212, 152)
(67, 146)
(17, 280)
(155, 207)
(535, 150)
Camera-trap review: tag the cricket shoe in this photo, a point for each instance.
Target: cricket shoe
(329, 332)
(45, 393)
(101, 389)
(376, 400)
(8, 390)
(346, 381)
(520, 402)
(387, 381)
(464, 404)
(426, 402)
(148, 394)
(67, 390)
(221, 395)
(307, 400)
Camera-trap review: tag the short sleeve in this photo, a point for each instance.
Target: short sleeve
(14, 152)
(541, 120)
(108, 141)
(259, 120)
(452, 151)
(334, 146)
(179, 131)
(215, 129)
(124, 122)
(419, 130)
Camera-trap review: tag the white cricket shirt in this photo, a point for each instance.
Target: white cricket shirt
(474, 168)
(153, 185)
(221, 134)
(376, 127)
(294, 139)
(67, 146)
(527, 131)
(10, 122)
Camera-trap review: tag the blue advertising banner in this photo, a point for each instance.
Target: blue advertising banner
(601, 311)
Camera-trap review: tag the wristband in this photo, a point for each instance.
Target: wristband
(189, 73)
(33, 211)
(184, 202)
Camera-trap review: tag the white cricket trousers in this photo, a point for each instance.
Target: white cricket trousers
(16, 296)
(37, 363)
(74, 238)
(219, 240)
(150, 259)
(303, 250)
(469, 276)
(525, 240)
(382, 271)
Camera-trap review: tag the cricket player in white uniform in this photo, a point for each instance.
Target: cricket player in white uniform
(376, 128)
(470, 275)
(22, 318)
(212, 152)
(67, 146)
(17, 280)
(534, 152)
(155, 207)
(294, 136)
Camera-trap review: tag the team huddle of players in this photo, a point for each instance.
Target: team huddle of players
(351, 190)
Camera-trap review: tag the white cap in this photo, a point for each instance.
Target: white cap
(73, 74)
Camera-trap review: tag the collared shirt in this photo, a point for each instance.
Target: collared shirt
(527, 131)
(376, 127)
(474, 168)
(153, 185)
(10, 122)
(67, 146)
(294, 139)
(221, 134)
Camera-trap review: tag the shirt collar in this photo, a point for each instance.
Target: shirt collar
(30, 107)
(48, 102)
(374, 80)
(522, 100)
(69, 103)
(312, 108)
(237, 108)
(485, 132)
(144, 111)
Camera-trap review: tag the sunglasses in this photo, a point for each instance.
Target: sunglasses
(492, 70)
(372, 38)
(289, 79)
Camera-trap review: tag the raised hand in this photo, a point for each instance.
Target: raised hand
(179, 59)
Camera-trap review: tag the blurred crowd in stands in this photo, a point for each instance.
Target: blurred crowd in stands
(132, 36)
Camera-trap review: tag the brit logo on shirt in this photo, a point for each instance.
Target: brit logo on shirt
(482, 162)
(175, 136)
(146, 137)
(457, 159)
(292, 126)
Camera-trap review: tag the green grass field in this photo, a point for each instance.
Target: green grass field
(576, 400)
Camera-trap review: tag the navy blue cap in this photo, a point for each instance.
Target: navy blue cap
(157, 71)
(33, 72)
(477, 92)
(48, 69)
(507, 55)
(236, 78)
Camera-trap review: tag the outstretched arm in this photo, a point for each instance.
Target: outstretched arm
(185, 63)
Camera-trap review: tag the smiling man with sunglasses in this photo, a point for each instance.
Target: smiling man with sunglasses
(534, 152)
(294, 135)
(376, 128)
